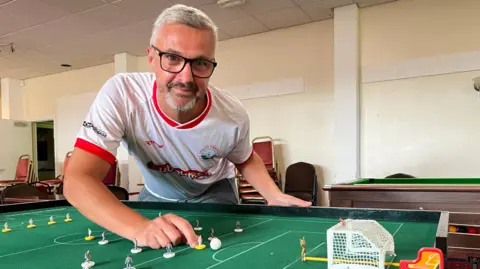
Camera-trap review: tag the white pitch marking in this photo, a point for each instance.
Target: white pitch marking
(30, 213)
(33, 249)
(307, 232)
(396, 231)
(246, 243)
(248, 250)
(306, 253)
(161, 257)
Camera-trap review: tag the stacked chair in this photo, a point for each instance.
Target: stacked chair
(264, 147)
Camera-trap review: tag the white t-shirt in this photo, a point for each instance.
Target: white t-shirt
(178, 161)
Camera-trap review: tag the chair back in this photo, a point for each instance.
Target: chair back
(24, 171)
(113, 175)
(20, 190)
(66, 161)
(301, 177)
(264, 147)
(119, 192)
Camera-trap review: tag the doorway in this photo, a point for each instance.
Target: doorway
(44, 149)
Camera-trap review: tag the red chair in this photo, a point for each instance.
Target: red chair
(24, 172)
(51, 184)
(113, 176)
(264, 147)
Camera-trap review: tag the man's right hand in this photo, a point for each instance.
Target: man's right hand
(164, 230)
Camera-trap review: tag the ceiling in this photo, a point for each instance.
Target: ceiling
(82, 33)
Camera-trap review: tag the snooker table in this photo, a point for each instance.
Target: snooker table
(442, 194)
(270, 238)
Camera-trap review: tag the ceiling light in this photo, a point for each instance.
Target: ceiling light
(229, 3)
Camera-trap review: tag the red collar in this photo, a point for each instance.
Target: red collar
(175, 124)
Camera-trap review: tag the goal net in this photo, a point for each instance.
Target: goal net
(358, 244)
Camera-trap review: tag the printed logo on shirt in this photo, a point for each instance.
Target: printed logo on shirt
(87, 124)
(167, 168)
(151, 142)
(208, 152)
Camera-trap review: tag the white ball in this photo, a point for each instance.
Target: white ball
(215, 243)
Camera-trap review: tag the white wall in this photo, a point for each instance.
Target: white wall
(14, 142)
(427, 127)
(70, 114)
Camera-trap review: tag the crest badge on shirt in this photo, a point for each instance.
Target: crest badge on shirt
(208, 152)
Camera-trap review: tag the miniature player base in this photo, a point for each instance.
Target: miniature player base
(103, 242)
(31, 226)
(89, 238)
(6, 230)
(51, 222)
(136, 250)
(168, 255)
(200, 247)
(88, 264)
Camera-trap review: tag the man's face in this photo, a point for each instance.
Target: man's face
(181, 90)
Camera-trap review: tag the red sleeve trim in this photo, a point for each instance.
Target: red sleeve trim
(249, 157)
(96, 150)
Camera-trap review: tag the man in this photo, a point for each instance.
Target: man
(186, 135)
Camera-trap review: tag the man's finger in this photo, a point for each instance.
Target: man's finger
(299, 202)
(185, 228)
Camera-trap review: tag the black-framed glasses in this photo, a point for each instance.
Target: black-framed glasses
(175, 63)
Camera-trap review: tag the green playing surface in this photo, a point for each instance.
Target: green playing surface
(267, 241)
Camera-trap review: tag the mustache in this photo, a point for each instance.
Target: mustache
(189, 86)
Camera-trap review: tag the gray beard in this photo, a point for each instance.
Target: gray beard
(181, 108)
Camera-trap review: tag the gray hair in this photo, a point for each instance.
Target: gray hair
(186, 15)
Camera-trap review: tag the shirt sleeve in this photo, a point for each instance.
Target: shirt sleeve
(103, 127)
(243, 149)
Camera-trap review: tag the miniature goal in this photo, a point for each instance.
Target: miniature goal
(358, 244)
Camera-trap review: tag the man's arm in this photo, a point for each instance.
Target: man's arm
(255, 172)
(84, 189)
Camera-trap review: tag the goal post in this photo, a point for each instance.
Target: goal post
(358, 244)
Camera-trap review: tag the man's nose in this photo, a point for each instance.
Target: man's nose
(186, 74)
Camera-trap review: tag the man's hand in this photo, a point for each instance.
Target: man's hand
(164, 230)
(282, 199)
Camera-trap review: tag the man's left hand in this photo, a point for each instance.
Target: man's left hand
(283, 199)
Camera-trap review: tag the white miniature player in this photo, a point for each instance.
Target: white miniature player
(129, 262)
(169, 254)
(6, 228)
(67, 218)
(88, 262)
(135, 249)
(103, 241)
(211, 235)
(238, 229)
(31, 224)
(198, 228)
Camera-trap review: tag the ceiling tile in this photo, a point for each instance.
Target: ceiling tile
(243, 27)
(33, 11)
(193, 3)
(75, 6)
(222, 35)
(220, 15)
(326, 3)
(266, 6)
(317, 12)
(108, 17)
(367, 3)
(10, 64)
(11, 23)
(113, 41)
(284, 18)
(30, 58)
(51, 32)
(143, 8)
(61, 52)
